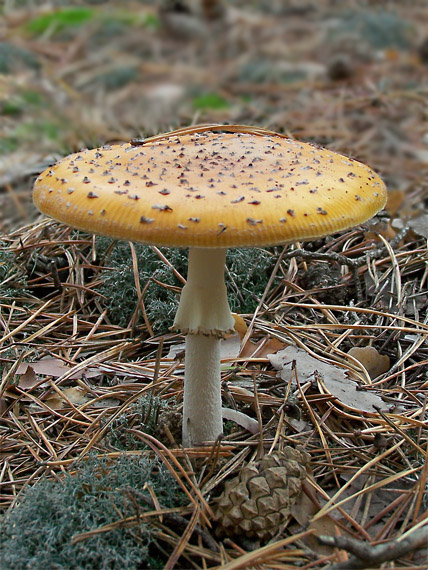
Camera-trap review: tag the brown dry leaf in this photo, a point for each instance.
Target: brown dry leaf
(395, 201)
(229, 348)
(54, 367)
(374, 504)
(419, 225)
(240, 325)
(302, 511)
(76, 396)
(3, 406)
(28, 379)
(369, 357)
(385, 229)
(330, 378)
(261, 348)
(106, 403)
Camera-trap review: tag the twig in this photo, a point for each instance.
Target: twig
(368, 555)
(353, 263)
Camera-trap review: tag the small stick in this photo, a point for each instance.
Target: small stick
(367, 555)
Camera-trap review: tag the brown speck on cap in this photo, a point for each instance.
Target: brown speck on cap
(171, 165)
(162, 207)
(144, 220)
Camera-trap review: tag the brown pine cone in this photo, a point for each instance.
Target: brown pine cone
(173, 420)
(258, 500)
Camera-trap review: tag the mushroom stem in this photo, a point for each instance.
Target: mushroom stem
(205, 316)
(203, 307)
(202, 416)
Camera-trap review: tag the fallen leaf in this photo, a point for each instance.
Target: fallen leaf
(395, 201)
(419, 225)
(369, 357)
(240, 325)
(175, 350)
(330, 379)
(28, 379)
(302, 511)
(106, 403)
(3, 406)
(76, 396)
(383, 228)
(54, 367)
(261, 348)
(229, 348)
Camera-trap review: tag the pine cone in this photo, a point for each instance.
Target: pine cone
(259, 499)
(173, 419)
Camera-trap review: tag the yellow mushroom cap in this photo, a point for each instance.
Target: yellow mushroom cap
(206, 187)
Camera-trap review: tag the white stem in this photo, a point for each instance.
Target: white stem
(204, 308)
(204, 314)
(202, 416)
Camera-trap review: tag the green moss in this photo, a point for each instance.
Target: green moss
(11, 107)
(114, 21)
(36, 131)
(380, 28)
(8, 144)
(117, 77)
(36, 534)
(59, 20)
(21, 102)
(151, 21)
(13, 281)
(13, 57)
(142, 414)
(134, 18)
(210, 101)
(248, 271)
(118, 285)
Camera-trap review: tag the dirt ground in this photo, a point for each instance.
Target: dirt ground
(350, 76)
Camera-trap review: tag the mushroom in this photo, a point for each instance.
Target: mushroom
(209, 188)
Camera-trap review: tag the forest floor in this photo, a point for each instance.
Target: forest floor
(90, 370)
